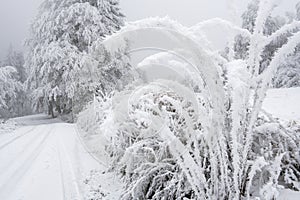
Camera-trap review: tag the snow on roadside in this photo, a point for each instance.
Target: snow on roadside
(283, 103)
(287, 194)
(7, 126)
(103, 185)
(100, 184)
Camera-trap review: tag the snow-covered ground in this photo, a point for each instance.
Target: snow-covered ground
(283, 103)
(44, 159)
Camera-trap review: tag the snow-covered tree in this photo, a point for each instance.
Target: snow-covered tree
(9, 88)
(288, 74)
(16, 59)
(60, 40)
(19, 105)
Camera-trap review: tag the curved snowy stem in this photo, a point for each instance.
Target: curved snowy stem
(194, 173)
(283, 30)
(264, 11)
(193, 53)
(238, 86)
(205, 66)
(238, 115)
(230, 27)
(265, 79)
(256, 166)
(257, 38)
(262, 87)
(234, 16)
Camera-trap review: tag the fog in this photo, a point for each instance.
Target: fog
(16, 15)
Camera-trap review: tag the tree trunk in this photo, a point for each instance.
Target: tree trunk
(57, 105)
(50, 108)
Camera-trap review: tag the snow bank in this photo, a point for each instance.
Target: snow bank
(287, 194)
(7, 126)
(283, 103)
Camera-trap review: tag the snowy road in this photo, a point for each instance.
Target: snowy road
(44, 159)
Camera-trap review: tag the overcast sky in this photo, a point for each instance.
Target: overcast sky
(16, 15)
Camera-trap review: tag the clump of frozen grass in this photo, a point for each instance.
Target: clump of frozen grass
(165, 146)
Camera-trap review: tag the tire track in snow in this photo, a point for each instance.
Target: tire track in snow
(16, 138)
(68, 173)
(15, 173)
(62, 176)
(36, 135)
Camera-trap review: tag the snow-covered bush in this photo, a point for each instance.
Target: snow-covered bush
(94, 114)
(191, 131)
(278, 146)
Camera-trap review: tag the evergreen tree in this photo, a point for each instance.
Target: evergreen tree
(16, 59)
(60, 40)
(288, 74)
(9, 88)
(17, 104)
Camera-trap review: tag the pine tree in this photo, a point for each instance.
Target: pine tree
(60, 40)
(9, 88)
(19, 104)
(288, 74)
(16, 59)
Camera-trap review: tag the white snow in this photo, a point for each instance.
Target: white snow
(45, 159)
(7, 126)
(286, 194)
(283, 103)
